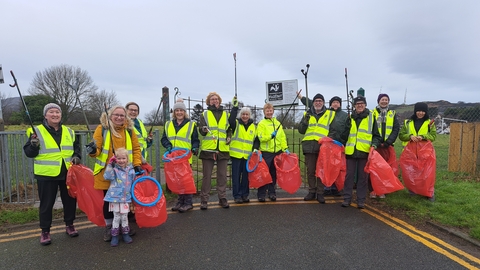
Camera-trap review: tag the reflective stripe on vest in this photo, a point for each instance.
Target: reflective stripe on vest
(181, 139)
(360, 139)
(318, 129)
(101, 159)
(242, 141)
(50, 156)
(217, 134)
(411, 129)
(390, 116)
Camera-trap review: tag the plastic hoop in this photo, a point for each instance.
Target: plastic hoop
(167, 159)
(141, 179)
(256, 165)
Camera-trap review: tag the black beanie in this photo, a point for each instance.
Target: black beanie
(358, 99)
(335, 98)
(318, 96)
(420, 106)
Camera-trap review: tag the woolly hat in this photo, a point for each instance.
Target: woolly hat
(420, 106)
(382, 95)
(359, 99)
(179, 105)
(335, 98)
(51, 106)
(318, 96)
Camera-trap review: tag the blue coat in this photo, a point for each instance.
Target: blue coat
(121, 180)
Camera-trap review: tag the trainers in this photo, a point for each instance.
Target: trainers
(345, 204)
(107, 234)
(238, 200)
(382, 196)
(185, 208)
(203, 205)
(373, 195)
(272, 198)
(224, 203)
(177, 206)
(310, 197)
(70, 230)
(45, 239)
(245, 199)
(320, 198)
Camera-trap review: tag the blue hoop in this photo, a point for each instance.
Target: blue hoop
(166, 159)
(256, 165)
(141, 179)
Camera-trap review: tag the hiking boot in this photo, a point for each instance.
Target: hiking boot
(185, 208)
(261, 199)
(320, 198)
(203, 205)
(272, 198)
(224, 203)
(238, 200)
(45, 239)
(245, 199)
(361, 206)
(177, 206)
(70, 230)
(107, 234)
(345, 204)
(310, 197)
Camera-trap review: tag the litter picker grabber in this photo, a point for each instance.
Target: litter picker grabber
(285, 116)
(349, 95)
(15, 84)
(235, 59)
(305, 73)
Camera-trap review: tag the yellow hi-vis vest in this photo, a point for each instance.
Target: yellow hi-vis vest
(183, 138)
(50, 156)
(411, 129)
(318, 129)
(101, 159)
(242, 141)
(217, 134)
(390, 116)
(360, 138)
(142, 136)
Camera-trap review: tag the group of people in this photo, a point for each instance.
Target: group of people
(120, 142)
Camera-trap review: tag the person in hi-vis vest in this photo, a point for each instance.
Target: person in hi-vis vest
(214, 123)
(144, 139)
(181, 132)
(115, 131)
(363, 135)
(53, 148)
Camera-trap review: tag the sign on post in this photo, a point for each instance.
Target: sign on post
(1, 75)
(282, 93)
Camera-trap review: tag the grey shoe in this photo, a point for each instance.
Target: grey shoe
(238, 200)
(320, 198)
(223, 203)
(185, 208)
(345, 204)
(310, 197)
(107, 234)
(177, 206)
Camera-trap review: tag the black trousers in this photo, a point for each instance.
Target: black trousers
(47, 192)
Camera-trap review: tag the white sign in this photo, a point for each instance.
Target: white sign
(282, 93)
(1, 75)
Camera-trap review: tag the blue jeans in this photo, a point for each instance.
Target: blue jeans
(239, 178)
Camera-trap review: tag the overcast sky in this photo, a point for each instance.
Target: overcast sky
(429, 49)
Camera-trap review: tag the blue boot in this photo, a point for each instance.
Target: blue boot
(115, 237)
(126, 238)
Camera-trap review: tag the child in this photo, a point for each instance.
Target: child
(121, 174)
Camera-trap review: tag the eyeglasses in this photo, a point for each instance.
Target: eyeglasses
(359, 103)
(132, 110)
(119, 115)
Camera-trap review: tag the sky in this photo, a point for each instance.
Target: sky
(412, 50)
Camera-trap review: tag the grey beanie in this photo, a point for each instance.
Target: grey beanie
(179, 105)
(51, 106)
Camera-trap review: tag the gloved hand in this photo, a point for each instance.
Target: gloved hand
(375, 147)
(235, 101)
(149, 139)
(138, 170)
(35, 141)
(306, 117)
(286, 151)
(274, 134)
(169, 149)
(75, 160)
(112, 160)
(337, 143)
(91, 148)
(255, 150)
(195, 151)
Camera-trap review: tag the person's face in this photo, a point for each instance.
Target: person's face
(118, 117)
(53, 117)
(245, 117)
(335, 104)
(215, 101)
(318, 104)
(179, 114)
(132, 111)
(420, 114)
(122, 160)
(268, 113)
(383, 102)
(360, 106)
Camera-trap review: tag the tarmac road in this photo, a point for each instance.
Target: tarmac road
(287, 234)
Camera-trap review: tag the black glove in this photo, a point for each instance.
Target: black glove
(91, 148)
(34, 141)
(76, 160)
(138, 170)
(195, 151)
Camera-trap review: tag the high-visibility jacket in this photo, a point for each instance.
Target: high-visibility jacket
(389, 119)
(142, 138)
(424, 130)
(101, 160)
(242, 141)
(360, 138)
(182, 138)
(318, 129)
(50, 156)
(264, 132)
(217, 136)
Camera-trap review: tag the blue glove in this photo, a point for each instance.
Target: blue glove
(195, 151)
(169, 149)
(286, 151)
(337, 143)
(274, 134)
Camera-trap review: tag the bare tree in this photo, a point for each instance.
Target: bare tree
(153, 119)
(97, 100)
(54, 82)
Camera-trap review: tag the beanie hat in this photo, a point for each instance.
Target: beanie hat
(382, 95)
(335, 98)
(358, 99)
(51, 106)
(179, 105)
(319, 96)
(132, 103)
(420, 106)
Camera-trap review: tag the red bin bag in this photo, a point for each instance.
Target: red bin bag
(418, 163)
(382, 177)
(331, 163)
(388, 153)
(288, 172)
(178, 172)
(146, 191)
(258, 173)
